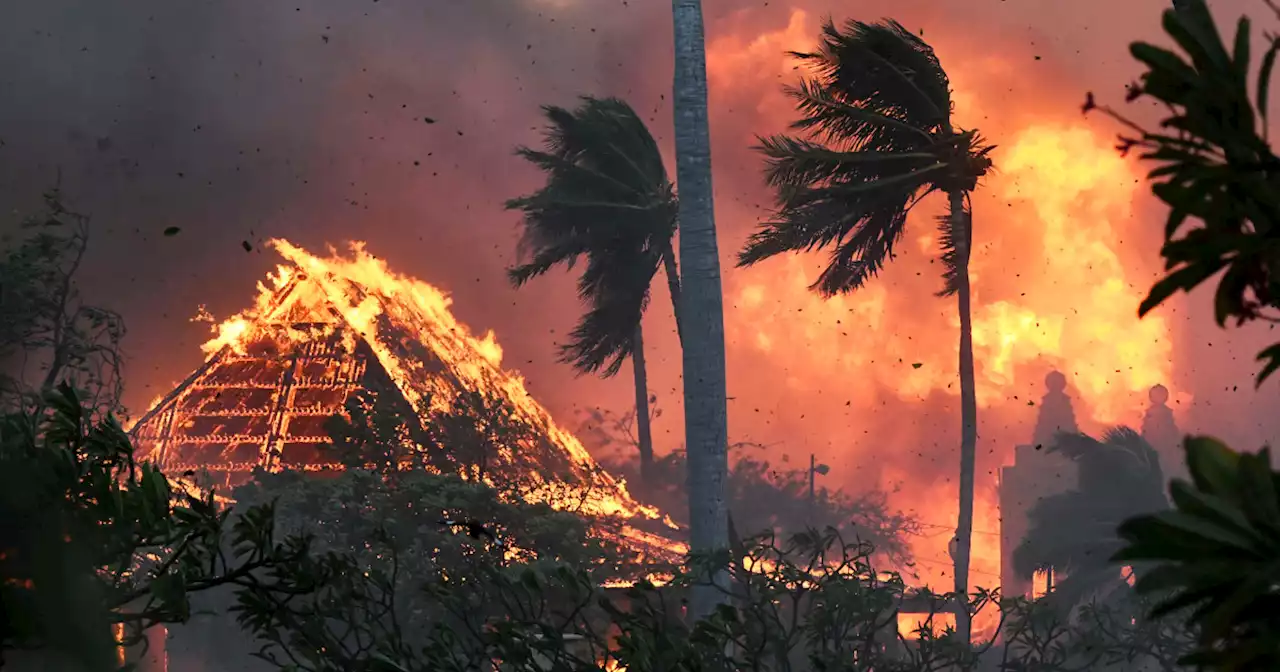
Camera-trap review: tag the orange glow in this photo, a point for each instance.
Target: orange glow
(1054, 288)
(412, 303)
(1042, 583)
(117, 632)
(909, 625)
(313, 303)
(868, 381)
(1071, 181)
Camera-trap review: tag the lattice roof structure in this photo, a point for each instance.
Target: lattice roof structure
(322, 330)
(262, 406)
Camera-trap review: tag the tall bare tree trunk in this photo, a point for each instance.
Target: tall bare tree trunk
(644, 433)
(962, 223)
(701, 310)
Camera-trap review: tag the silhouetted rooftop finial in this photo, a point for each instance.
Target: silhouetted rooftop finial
(1056, 413)
(1158, 426)
(1158, 395)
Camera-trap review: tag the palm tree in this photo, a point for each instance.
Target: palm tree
(702, 307)
(1074, 532)
(608, 199)
(879, 138)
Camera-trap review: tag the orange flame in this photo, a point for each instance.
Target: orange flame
(1054, 288)
(385, 309)
(910, 625)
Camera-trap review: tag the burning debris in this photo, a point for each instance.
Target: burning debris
(324, 330)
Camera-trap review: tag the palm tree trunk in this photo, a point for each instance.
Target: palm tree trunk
(673, 285)
(701, 310)
(962, 222)
(644, 433)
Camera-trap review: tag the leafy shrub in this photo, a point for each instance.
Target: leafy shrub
(93, 540)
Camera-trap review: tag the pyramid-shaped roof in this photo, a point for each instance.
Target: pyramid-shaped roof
(323, 329)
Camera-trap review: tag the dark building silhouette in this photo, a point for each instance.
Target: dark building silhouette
(1056, 413)
(1161, 431)
(1035, 473)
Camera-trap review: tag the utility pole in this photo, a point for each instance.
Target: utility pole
(815, 469)
(812, 466)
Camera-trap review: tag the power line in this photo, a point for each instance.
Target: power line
(950, 529)
(944, 563)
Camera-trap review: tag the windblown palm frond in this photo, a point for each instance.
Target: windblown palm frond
(1123, 464)
(607, 198)
(1075, 531)
(615, 284)
(874, 81)
(876, 110)
(877, 138)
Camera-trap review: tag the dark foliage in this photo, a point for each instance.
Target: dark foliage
(48, 335)
(877, 113)
(809, 603)
(1213, 557)
(1216, 556)
(382, 542)
(607, 199)
(554, 618)
(92, 540)
(1099, 636)
(1074, 532)
(381, 534)
(1214, 165)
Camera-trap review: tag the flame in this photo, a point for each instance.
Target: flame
(1054, 287)
(117, 634)
(910, 625)
(657, 580)
(354, 286)
(391, 312)
(1080, 191)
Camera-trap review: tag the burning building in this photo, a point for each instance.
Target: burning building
(323, 330)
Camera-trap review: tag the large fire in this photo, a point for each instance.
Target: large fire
(873, 390)
(1054, 288)
(294, 356)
